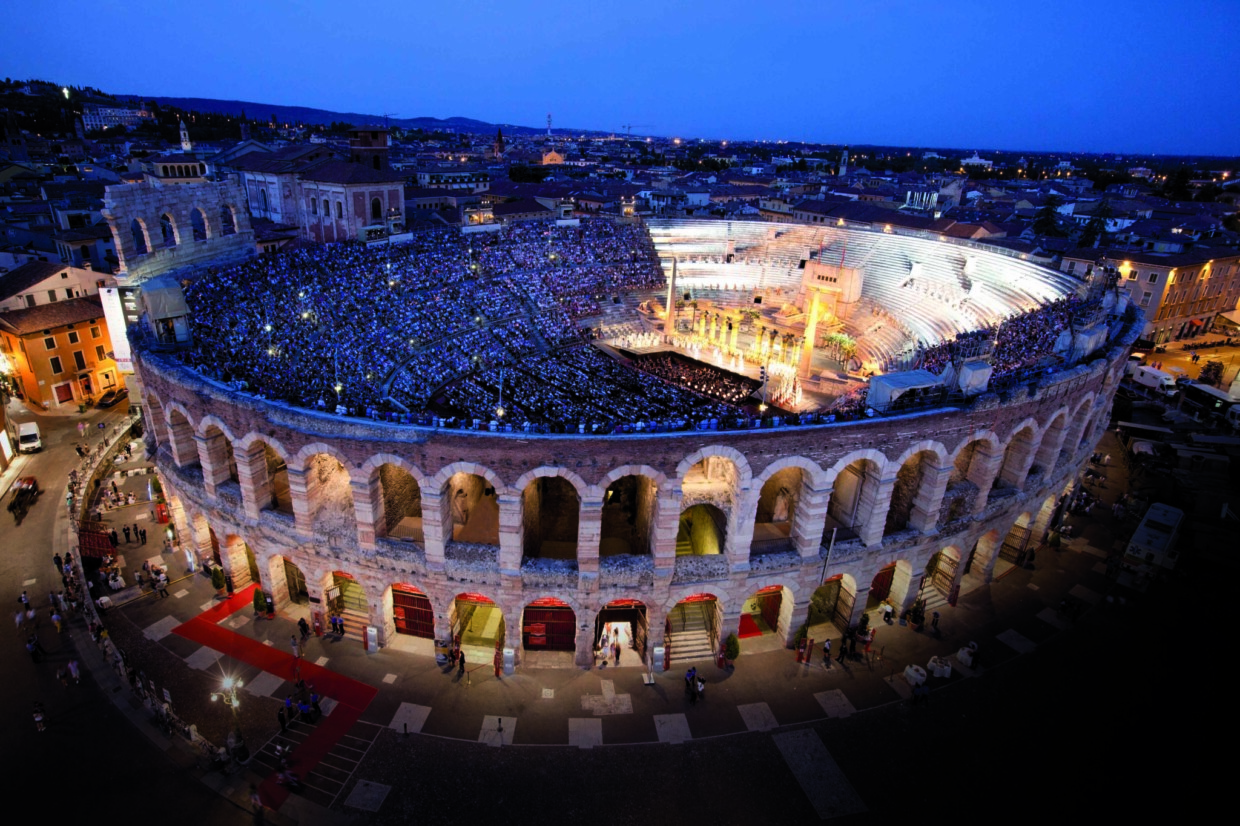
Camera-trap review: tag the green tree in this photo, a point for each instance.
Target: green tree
(1211, 374)
(1177, 185)
(1096, 228)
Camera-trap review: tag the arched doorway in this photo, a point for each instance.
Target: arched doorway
(549, 624)
(628, 508)
(692, 631)
(412, 611)
(890, 584)
(198, 224)
(286, 582)
(477, 623)
(625, 620)
(940, 574)
(402, 503)
(345, 595)
(832, 603)
(471, 509)
(909, 479)
(777, 504)
(551, 510)
(764, 619)
(1016, 546)
(852, 495)
(702, 531)
(330, 495)
(277, 476)
(138, 230)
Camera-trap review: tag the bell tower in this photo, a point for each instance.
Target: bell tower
(186, 144)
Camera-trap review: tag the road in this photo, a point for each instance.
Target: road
(77, 757)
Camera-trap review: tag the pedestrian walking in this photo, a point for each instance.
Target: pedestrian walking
(460, 664)
(39, 716)
(135, 531)
(283, 720)
(290, 710)
(56, 620)
(700, 689)
(163, 585)
(20, 619)
(869, 640)
(340, 625)
(296, 647)
(60, 563)
(615, 652)
(314, 703)
(24, 599)
(305, 629)
(888, 612)
(113, 538)
(125, 529)
(143, 532)
(826, 653)
(75, 672)
(843, 651)
(934, 621)
(31, 618)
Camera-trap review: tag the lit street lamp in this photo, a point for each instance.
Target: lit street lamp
(228, 694)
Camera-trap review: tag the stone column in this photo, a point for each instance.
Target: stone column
(254, 480)
(583, 644)
(811, 335)
(510, 526)
(790, 613)
(589, 534)
(1048, 449)
(809, 520)
(385, 622)
(929, 498)
(302, 487)
(213, 456)
(181, 440)
(859, 602)
(1014, 469)
(436, 532)
(235, 562)
(206, 550)
(736, 331)
(277, 585)
(983, 471)
(664, 522)
(368, 507)
(875, 501)
(739, 541)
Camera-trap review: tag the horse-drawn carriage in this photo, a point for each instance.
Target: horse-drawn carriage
(25, 494)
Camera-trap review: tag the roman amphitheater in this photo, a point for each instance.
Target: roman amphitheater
(413, 512)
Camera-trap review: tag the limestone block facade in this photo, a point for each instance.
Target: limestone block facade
(275, 492)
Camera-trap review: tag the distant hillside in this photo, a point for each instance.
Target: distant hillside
(324, 117)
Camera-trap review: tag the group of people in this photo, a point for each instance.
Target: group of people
(715, 383)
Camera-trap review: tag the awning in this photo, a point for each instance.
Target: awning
(1196, 322)
(1228, 320)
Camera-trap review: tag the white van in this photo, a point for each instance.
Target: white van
(29, 439)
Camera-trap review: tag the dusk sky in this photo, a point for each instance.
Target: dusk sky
(1082, 75)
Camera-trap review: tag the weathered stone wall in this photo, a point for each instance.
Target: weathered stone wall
(148, 200)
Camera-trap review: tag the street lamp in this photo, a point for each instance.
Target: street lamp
(228, 694)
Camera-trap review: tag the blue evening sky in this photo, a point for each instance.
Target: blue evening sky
(1088, 75)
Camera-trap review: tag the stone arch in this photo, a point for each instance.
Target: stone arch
(775, 508)
(831, 604)
(942, 571)
(228, 220)
(1018, 454)
(199, 225)
(326, 505)
(628, 511)
(1052, 441)
(656, 476)
(286, 580)
(411, 611)
(914, 494)
(140, 237)
(743, 472)
(767, 611)
(215, 452)
(852, 505)
(892, 582)
(156, 423)
(550, 512)
(469, 505)
(393, 486)
(973, 470)
(169, 231)
(262, 464)
(180, 435)
(376, 209)
(239, 562)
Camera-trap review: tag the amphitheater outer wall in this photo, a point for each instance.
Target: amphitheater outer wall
(1002, 461)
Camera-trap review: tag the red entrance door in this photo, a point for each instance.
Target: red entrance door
(412, 612)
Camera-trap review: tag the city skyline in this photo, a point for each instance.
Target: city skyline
(892, 74)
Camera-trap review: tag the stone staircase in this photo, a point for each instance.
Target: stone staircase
(935, 601)
(355, 623)
(689, 640)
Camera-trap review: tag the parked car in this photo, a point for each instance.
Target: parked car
(113, 397)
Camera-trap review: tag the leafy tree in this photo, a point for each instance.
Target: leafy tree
(522, 174)
(1096, 228)
(1046, 221)
(1177, 185)
(1211, 374)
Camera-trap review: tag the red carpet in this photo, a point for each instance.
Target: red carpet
(749, 628)
(352, 697)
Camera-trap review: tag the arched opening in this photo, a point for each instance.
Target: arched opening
(551, 510)
(180, 437)
(327, 209)
(220, 455)
(703, 531)
(330, 496)
(628, 510)
(228, 223)
(376, 209)
(622, 621)
(375, 162)
(549, 624)
(339, 211)
(1052, 440)
(281, 497)
(168, 230)
(412, 611)
(477, 624)
(1016, 547)
(765, 617)
(909, 480)
(777, 503)
(344, 596)
(831, 605)
(891, 584)
(402, 503)
(965, 482)
(692, 631)
(286, 582)
(198, 223)
(141, 244)
(1016, 459)
(852, 495)
(216, 559)
(980, 563)
(473, 509)
(940, 577)
(262, 199)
